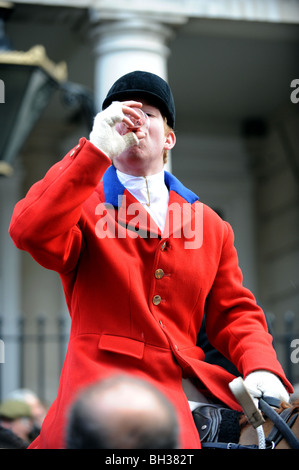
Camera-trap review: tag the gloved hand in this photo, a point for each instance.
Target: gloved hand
(104, 135)
(263, 383)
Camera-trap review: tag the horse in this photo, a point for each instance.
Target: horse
(223, 428)
(288, 412)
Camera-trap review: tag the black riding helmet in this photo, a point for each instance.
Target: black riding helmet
(145, 85)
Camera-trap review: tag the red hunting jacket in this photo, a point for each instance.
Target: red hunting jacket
(137, 297)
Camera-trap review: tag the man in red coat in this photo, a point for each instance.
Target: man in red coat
(141, 261)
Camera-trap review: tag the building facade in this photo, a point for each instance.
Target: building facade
(231, 65)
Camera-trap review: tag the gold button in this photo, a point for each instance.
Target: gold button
(159, 273)
(156, 299)
(163, 246)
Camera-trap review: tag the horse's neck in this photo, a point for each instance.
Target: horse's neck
(249, 436)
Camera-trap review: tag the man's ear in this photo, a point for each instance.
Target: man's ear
(170, 141)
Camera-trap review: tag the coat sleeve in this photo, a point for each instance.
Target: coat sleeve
(235, 324)
(46, 222)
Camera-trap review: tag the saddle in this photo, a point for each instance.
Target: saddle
(216, 423)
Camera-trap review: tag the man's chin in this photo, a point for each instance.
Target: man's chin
(134, 160)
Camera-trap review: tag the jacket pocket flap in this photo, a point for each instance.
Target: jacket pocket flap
(122, 345)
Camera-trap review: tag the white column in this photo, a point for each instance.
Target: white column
(135, 43)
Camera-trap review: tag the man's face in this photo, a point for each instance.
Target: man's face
(147, 157)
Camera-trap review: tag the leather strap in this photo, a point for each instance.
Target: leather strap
(253, 414)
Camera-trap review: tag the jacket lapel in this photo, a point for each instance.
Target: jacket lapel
(180, 208)
(133, 216)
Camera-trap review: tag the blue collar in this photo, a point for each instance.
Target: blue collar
(114, 188)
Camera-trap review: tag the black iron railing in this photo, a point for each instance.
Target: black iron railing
(40, 346)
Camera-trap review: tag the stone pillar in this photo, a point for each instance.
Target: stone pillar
(121, 46)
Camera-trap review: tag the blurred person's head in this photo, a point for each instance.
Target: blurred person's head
(17, 417)
(122, 412)
(38, 410)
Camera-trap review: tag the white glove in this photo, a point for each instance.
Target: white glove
(104, 135)
(263, 383)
